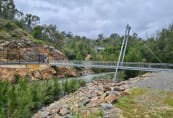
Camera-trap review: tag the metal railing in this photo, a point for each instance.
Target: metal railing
(112, 65)
(24, 58)
(154, 67)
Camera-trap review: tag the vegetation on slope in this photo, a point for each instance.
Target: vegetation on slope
(21, 99)
(17, 25)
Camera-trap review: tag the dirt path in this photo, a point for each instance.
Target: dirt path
(157, 81)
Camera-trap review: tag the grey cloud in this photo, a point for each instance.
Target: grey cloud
(91, 17)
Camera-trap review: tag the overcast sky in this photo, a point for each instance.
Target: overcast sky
(91, 17)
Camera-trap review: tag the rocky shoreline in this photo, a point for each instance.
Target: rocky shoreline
(97, 96)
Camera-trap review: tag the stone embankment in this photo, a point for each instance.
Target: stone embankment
(87, 100)
(98, 96)
(95, 97)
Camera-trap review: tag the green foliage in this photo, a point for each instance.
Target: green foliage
(20, 24)
(98, 114)
(7, 9)
(37, 32)
(9, 26)
(77, 47)
(108, 76)
(49, 33)
(161, 46)
(31, 20)
(72, 85)
(20, 99)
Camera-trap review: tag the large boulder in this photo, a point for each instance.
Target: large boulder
(111, 98)
(64, 111)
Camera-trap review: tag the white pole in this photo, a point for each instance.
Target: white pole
(127, 38)
(120, 55)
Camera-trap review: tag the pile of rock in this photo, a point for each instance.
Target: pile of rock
(95, 96)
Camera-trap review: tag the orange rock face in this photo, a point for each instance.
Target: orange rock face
(26, 51)
(7, 74)
(37, 74)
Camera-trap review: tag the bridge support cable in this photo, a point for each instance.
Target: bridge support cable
(126, 42)
(122, 51)
(153, 54)
(156, 57)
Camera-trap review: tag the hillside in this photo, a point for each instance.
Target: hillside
(17, 45)
(15, 42)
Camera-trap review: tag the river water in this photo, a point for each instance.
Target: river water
(90, 77)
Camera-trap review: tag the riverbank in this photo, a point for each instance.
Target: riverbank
(97, 99)
(94, 100)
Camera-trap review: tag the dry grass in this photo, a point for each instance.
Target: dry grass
(147, 103)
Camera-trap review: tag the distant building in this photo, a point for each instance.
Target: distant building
(100, 48)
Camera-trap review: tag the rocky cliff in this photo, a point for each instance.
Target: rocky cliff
(17, 45)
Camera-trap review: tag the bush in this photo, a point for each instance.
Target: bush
(22, 98)
(9, 26)
(20, 24)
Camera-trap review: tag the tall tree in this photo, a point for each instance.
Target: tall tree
(49, 33)
(8, 9)
(31, 20)
(19, 15)
(1, 8)
(114, 36)
(100, 37)
(11, 9)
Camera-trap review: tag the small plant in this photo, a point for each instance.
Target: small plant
(82, 82)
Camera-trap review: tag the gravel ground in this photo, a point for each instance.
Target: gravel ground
(159, 81)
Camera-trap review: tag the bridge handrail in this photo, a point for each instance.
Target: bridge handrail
(110, 63)
(97, 64)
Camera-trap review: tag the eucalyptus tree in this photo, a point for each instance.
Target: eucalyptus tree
(7, 9)
(31, 20)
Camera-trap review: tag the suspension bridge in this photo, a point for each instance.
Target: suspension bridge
(138, 66)
(149, 67)
(119, 65)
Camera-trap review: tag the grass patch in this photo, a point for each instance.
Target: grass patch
(148, 103)
(99, 113)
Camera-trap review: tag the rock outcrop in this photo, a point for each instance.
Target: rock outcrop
(25, 49)
(37, 74)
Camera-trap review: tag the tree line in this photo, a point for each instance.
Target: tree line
(155, 49)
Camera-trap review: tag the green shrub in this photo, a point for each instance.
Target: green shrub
(21, 98)
(9, 26)
(14, 35)
(20, 24)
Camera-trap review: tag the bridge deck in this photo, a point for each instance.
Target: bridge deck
(112, 65)
(153, 67)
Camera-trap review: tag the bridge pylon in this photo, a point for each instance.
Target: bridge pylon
(122, 52)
